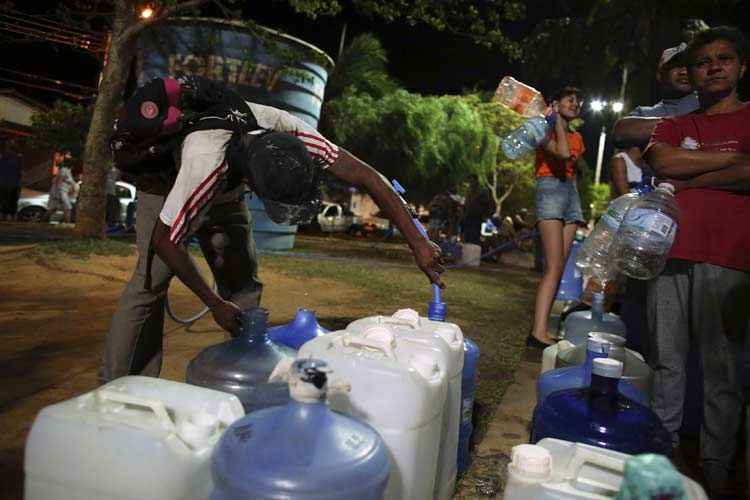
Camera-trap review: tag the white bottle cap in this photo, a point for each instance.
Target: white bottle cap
(607, 367)
(665, 186)
(531, 460)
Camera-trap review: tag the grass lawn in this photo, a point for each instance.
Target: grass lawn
(491, 304)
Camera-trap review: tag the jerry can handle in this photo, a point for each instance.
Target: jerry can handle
(377, 337)
(157, 407)
(405, 317)
(583, 456)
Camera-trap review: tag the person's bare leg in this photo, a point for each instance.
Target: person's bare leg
(551, 232)
(569, 234)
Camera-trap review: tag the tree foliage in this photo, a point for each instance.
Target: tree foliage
(361, 68)
(427, 143)
(504, 175)
(63, 128)
(610, 46)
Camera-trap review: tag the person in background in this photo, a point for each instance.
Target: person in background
(628, 168)
(678, 98)
(703, 294)
(558, 205)
(477, 207)
(626, 171)
(11, 167)
(113, 202)
(62, 193)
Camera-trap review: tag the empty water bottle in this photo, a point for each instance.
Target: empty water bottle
(646, 234)
(600, 416)
(526, 138)
(519, 97)
(593, 256)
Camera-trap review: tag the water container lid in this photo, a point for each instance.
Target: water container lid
(607, 367)
(308, 380)
(532, 460)
(665, 186)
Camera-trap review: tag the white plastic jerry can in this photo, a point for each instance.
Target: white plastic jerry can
(549, 354)
(554, 469)
(138, 438)
(445, 340)
(397, 387)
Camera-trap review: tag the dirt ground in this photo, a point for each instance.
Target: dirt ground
(55, 311)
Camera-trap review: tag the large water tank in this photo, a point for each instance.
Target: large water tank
(262, 65)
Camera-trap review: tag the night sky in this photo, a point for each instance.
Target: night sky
(421, 59)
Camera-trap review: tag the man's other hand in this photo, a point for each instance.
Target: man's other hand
(227, 315)
(429, 258)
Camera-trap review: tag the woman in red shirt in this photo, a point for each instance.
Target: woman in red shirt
(558, 205)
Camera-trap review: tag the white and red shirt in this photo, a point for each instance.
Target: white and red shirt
(202, 176)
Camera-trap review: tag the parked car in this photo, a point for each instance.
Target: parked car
(334, 218)
(32, 205)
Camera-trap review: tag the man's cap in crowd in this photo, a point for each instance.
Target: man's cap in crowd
(671, 53)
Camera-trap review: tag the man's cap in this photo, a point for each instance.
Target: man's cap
(671, 53)
(281, 173)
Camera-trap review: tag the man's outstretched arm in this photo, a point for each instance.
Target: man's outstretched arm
(352, 170)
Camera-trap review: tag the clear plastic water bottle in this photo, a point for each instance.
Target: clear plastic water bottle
(593, 256)
(646, 234)
(521, 98)
(526, 138)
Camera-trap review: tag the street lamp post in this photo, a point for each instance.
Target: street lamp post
(598, 106)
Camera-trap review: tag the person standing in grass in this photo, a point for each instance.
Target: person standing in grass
(558, 205)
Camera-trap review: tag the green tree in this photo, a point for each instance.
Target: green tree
(63, 128)
(612, 45)
(428, 143)
(504, 175)
(361, 68)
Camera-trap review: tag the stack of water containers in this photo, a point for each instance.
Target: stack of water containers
(405, 373)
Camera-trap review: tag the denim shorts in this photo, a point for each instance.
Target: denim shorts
(556, 199)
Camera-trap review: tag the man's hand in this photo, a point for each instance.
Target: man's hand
(429, 258)
(227, 315)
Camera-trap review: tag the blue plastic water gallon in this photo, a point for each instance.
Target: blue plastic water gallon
(302, 328)
(241, 366)
(578, 325)
(468, 390)
(302, 450)
(600, 416)
(571, 283)
(437, 311)
(575, 377)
